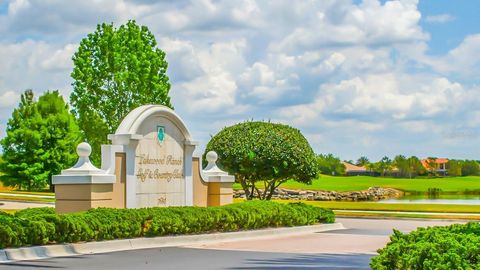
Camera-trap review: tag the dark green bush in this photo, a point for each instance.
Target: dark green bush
(41, 226)
(264, 152)
(35, 211)
(451, 247)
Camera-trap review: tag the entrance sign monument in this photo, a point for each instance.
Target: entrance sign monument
(150, 163)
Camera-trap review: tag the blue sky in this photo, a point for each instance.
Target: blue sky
(463, 21)
(367, 77)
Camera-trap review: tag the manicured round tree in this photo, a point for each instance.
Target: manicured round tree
(264, 152)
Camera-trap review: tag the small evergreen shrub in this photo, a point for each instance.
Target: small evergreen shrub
(40, 226)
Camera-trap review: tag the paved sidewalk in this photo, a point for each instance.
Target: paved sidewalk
(361, 236)
(23, 205)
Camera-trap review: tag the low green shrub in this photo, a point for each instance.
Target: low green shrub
(35, 211)
(39, 226)
(449, 247)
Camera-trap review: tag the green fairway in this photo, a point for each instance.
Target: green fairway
(440, 208)
(401, 207)
(403, 215)
(355, 183)
(26, 199)
(21, 192)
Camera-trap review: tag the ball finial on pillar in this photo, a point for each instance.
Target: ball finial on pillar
(212, 157)
(84, 149)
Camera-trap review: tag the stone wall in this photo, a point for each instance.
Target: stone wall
(371, 194)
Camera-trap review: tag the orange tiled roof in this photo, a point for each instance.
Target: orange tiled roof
(437, 161)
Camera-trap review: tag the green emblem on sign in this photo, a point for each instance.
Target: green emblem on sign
(160, 133)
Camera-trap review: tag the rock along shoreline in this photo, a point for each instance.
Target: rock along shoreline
(371, 194)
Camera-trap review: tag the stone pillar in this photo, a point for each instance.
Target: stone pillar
(83, 186)
(212, 186)
(220, 183)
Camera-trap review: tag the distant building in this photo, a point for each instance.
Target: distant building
(353, 170)
(437, 165)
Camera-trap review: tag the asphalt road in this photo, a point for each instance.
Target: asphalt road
(351, 248)
(198, 259)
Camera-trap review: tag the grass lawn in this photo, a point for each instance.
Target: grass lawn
(403, 215)
(355, 183)
(27, 199)
(4, 189)
(21, 192)
(401, 207)
(440, 208)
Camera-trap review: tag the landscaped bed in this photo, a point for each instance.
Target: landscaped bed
(450, 247)
(40, 226)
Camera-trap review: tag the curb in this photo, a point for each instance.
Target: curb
(49, 251)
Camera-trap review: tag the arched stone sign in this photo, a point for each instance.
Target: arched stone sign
(159, 150)
(148, 164)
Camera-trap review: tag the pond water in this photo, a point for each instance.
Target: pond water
(472, 199)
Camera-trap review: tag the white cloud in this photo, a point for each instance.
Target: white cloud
(355, 76)
(213, 88)
(440, 18)
(212, 93)
(464, 59)
(384, 98)
(9, 99)
(261, 83)
(66, 19)
(35, 64)
(60, 60)
(184, 63)
(368, 23)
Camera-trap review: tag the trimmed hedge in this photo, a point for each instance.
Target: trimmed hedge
(40, 226)
(450, 247)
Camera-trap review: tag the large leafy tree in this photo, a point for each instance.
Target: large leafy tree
(470, 167)
(329, 164)
(408, 167)
(415, 167)
(20, 145)
(40, 141)
(385, 165)
(362, 161)
(257, 152)
(60, 134)
(115, 71)
(401, 163)
(454, 167)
